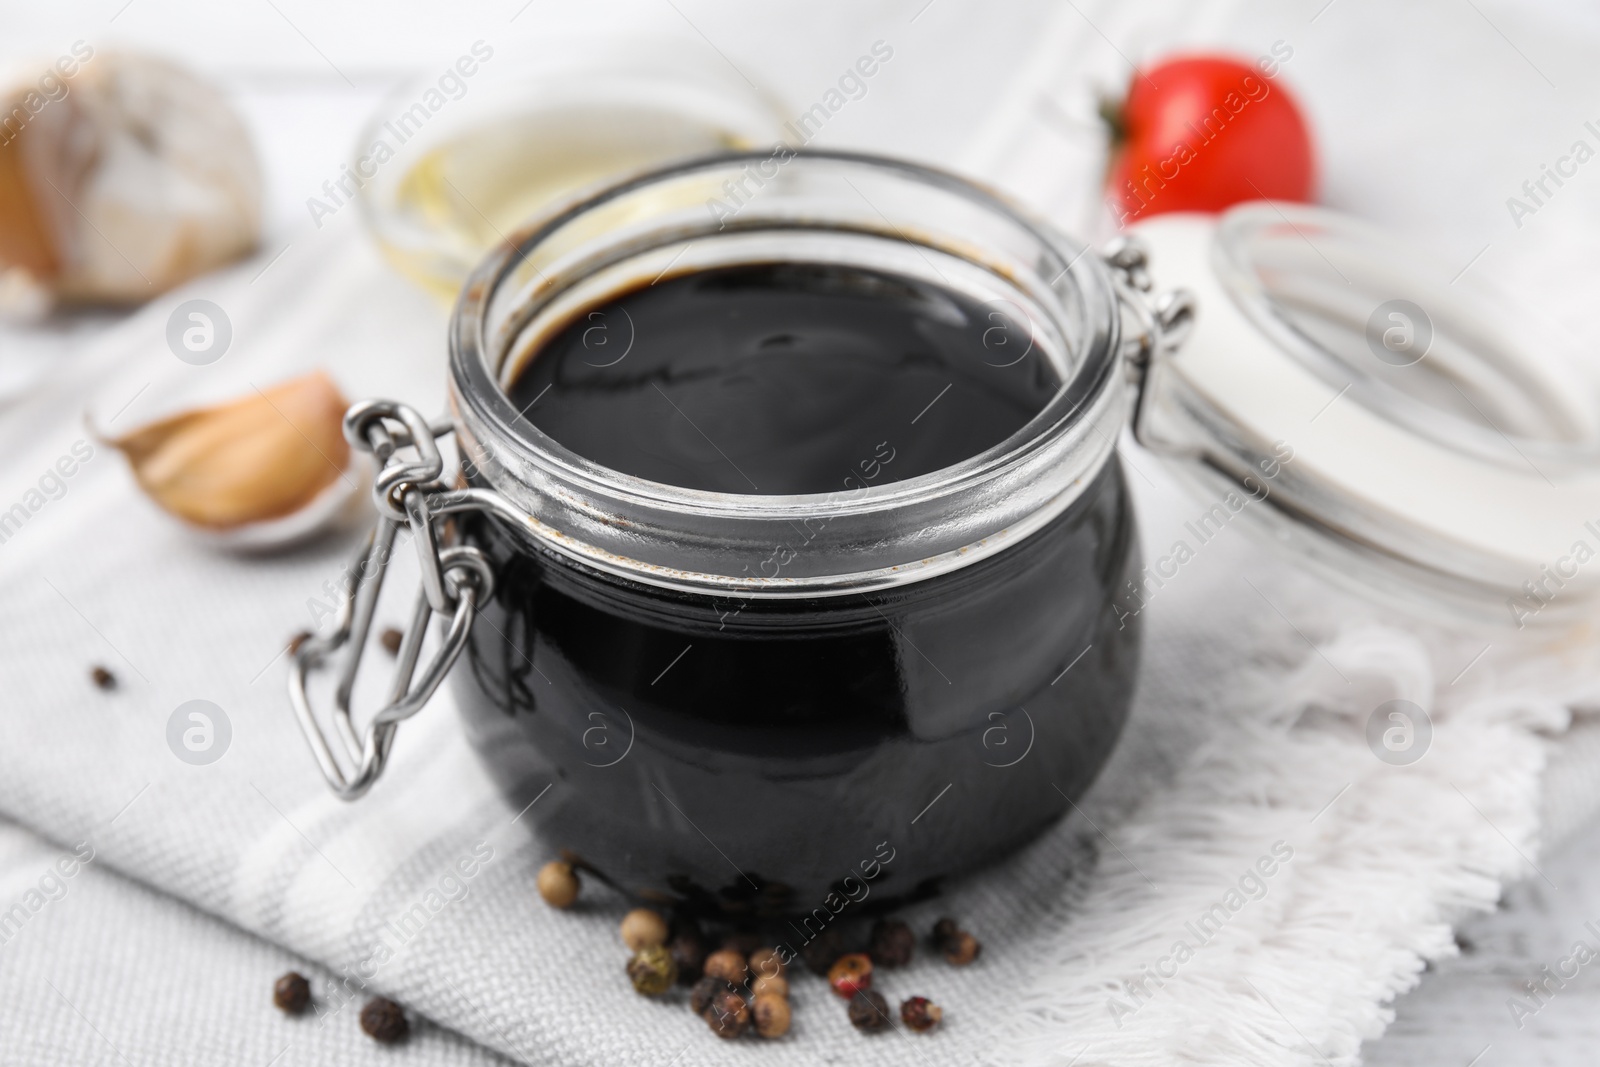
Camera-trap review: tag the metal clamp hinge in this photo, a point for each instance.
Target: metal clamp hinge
(456, 581)
(1154, 326)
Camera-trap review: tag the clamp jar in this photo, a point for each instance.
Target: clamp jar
(736, 700)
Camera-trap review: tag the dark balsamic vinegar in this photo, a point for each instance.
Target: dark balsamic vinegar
(783, 378)
(744, 755)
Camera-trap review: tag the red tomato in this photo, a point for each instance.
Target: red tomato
(1201, 133)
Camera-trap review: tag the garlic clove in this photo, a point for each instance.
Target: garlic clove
(261, 457)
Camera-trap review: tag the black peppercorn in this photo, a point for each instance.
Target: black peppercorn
(944, 932)
(869, 1012)
(102, 678)
(821, 951)
(701, 995)
(390, 640)
(893, 943)
(689, 954)
(292, 993)
(384, 1021)
(729, 1013)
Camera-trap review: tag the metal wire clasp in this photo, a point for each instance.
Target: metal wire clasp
(1154, 324)
(456, 579)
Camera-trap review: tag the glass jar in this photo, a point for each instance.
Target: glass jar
(740, 699)
(759, 704)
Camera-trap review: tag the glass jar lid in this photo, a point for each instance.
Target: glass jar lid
(1401, 436)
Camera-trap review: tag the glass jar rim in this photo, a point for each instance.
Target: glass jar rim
(782, 546)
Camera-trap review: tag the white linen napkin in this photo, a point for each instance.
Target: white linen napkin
(106, 970)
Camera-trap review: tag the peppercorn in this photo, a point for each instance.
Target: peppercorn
(689, 954)
(820, 952)
(704, 991)
(771, 1014)
(643, 928)
(652, 971)
(102, 678)
(893, 943)
(958, 947)
(869, 1011)
(558, 884)
(728, 965)
(771, 983)
(728, 1014)
(390, 640)
(921, 1014)
(384, 1021)
(962, 950)
(766, 961)
(851, 974)
(292, 993)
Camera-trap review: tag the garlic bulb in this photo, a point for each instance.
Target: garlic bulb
(262, 457)
(120, 180)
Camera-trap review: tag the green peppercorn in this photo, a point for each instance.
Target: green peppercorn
(652, 971)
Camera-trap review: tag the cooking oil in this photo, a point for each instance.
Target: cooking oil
(473, 189)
